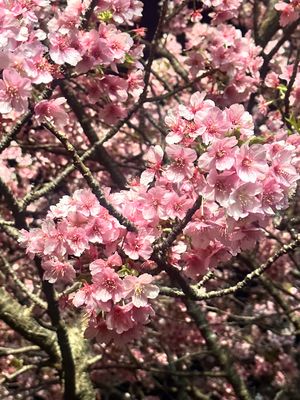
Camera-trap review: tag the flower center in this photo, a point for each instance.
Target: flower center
(12, 91)
(110, 285)
(246, 162)
(220, 153)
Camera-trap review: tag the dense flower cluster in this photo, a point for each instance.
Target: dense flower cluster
(186, 123)
(210, 152)
(236, 58)
(27, 61)
(77, 232)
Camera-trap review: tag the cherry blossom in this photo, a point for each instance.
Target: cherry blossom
(140, 289)
(14, 92)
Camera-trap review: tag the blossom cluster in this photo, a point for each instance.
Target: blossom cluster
(235, 58)
(212, 153)
(79, 237)
(33, 54)
(219, 10)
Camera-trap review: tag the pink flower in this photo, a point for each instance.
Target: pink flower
(115, 88)
(288, 13)
(120, 318)
(141, 315)
(220, 154)
(282, 169)
(14, 92)
(62, 50)
(33, 241)
(207, 222)
(53, 110)
(113, 261)
(135, 83)
(97, 266)
(182, 160)
(86, 296)
(108, 285)
(55, 238)
(77, 241)
(120, 44)
(86, 202)
(111, 113)
(243, 201)
(62, 208)
(39, 69)
(214, 123)
(97, 329)
(272, 196)
(194, 264)
(140, 289)
(251, 163)
(220, 186)
(83, 295)
(241, 121)
(138, 246)
(56, 270)
(103, 228)
(272, 80)
(177, 126)
(175, 206)
(196, 16)
(152, 205)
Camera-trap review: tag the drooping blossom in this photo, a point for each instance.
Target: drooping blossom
(53, 110)
(14, 92)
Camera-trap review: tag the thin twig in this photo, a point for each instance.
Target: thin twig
(87, 175)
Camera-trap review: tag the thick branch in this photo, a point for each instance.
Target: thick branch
(17, 318)
(290, 85)
(270, 24)
(12, 204)
(221, 354)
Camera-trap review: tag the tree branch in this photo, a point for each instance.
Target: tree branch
(17, 318)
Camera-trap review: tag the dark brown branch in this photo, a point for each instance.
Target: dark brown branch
(178, 89)
(6, 140)
(268, 57)
(50, 186)
(89, 11)
(12, 204)
(102, 156)
(153, 49)
(290, 87)
(168, 241)
(211, 340)
(8, 270)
